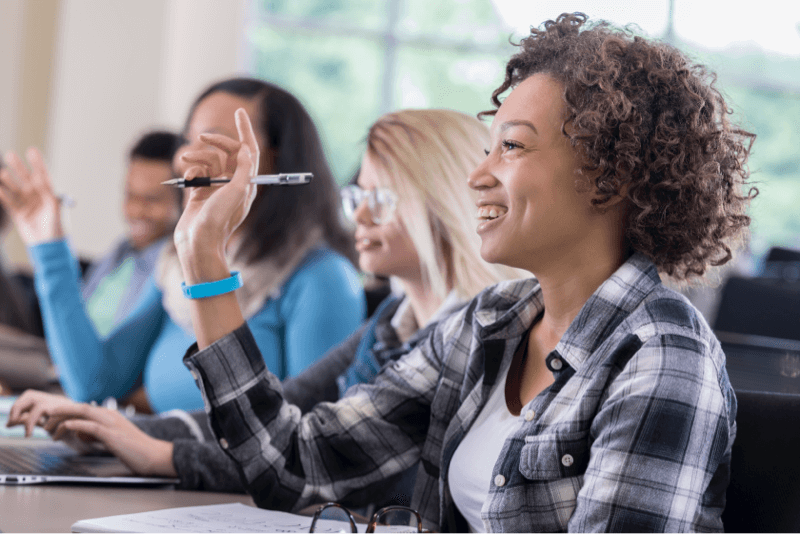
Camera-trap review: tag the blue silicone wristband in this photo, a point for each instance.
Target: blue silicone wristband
(212, 289)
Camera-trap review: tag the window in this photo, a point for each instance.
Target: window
(352, 60)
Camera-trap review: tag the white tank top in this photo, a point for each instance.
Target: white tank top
(470, 472)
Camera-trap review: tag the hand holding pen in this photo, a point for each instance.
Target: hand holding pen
(212, 214)
(210, 218)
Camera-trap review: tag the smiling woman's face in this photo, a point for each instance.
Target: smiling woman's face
(385, 249)
(529, 209)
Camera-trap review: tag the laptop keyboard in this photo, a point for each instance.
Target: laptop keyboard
(29, 460)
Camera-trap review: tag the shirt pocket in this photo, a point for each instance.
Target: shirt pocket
(554, 456)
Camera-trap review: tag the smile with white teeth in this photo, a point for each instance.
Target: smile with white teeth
(487, 213)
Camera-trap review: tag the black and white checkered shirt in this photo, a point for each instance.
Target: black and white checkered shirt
(634, 435)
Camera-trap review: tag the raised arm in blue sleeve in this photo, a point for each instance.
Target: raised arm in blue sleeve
(90, 368)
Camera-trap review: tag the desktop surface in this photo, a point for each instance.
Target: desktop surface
(54, 508)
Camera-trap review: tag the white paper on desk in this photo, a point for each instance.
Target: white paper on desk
(234, 517)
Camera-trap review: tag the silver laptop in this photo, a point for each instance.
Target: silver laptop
(28, 463)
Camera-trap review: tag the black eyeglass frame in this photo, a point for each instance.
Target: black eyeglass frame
(373, 523)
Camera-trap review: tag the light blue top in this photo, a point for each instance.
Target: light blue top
(320, 304)
(114, 283)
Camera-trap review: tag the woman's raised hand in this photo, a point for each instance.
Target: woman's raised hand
(212, 214)
(27, 195)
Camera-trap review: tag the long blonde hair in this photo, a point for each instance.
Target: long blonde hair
(426, 155)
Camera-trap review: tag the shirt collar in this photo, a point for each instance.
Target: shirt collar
(510, 310)
(609, 306)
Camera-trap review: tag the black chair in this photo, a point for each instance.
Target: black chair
(783, 263)
(764, 492)
(761, 307)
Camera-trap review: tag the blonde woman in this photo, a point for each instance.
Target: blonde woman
(413, 213)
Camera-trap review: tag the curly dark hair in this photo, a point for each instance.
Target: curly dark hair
(651, 126)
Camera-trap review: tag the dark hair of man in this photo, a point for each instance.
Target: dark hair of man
(157, 146)
(649, 125)
(160, 146)
(280, 217)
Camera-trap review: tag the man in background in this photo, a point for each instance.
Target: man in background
(112, 285)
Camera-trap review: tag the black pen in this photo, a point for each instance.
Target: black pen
(298, 178)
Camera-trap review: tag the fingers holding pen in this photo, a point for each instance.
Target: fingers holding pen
(223, 142)
(212, 161)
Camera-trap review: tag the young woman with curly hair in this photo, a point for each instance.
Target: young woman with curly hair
(590, 398)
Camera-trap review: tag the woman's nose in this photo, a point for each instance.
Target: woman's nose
(482, 177)
(362, 214)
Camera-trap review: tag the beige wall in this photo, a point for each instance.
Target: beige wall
(27, 45)
(89, 76)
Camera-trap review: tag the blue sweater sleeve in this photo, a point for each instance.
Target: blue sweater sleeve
(322, 305)
(90, 368)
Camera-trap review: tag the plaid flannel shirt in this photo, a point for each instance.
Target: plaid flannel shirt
(635, 434)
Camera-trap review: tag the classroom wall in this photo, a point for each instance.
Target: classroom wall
(89, 76)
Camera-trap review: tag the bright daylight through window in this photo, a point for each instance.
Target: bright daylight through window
(352, 60)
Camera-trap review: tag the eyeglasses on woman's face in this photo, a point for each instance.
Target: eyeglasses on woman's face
(381, 202)
(333, 517)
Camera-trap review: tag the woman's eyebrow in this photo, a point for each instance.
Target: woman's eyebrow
(510, 124)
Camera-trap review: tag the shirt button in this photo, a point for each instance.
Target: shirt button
(556, 364)
(529, 415)
(194, 374)
(499, 481)
(223, 443)
(567, 460)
